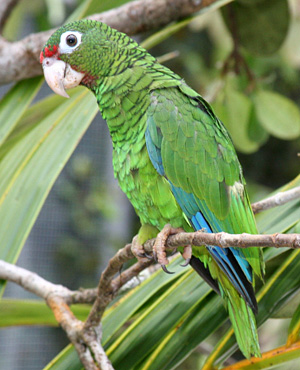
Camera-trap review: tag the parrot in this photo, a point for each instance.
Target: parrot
(172, 157)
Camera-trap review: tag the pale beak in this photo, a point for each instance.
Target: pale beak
(60, 76)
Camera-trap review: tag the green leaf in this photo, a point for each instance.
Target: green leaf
(294, 328)
(32, 117)
(80, 12)
(193, 328)
(165, 314)
(255, 130)
(270, 359)
(235, 110)
(30, 167)
(168, 31)
(285, 279)
(16, 312)
(19, 96)
(56, 11)
(89, 7)
(127, 306)
(104, 5)
(279, 287)
(66, 359)
(259, 26)
(288, 309)
(277, 114)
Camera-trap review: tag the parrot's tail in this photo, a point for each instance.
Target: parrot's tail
(242, 318)
(236, 273)
(240, 312)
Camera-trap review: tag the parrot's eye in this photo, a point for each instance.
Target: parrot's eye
(71, 40)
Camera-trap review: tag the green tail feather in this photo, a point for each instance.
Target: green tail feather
(242, 319)
(244, 325)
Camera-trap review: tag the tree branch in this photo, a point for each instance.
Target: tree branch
(108, 287)
(58, 299)
(31, 281)
(20, 59)
(224, 240)
(86, 338)
(145, 15)
(276, 200)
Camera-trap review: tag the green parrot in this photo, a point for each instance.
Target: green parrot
(171, 155)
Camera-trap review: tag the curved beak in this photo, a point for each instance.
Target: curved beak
(60, 76)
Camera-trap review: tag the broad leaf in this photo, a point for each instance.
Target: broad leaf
(235, 110)
(16, 312)
(20, 96)
(294, 329)
(277, 114)
(259, 26)
(30, 167)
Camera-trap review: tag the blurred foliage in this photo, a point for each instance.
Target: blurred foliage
(88, 203)
(251, 24)
(245, 60)
(255, 94)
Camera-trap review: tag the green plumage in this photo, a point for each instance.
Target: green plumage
(171, 155)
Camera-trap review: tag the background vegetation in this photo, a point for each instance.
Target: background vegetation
(244, 59)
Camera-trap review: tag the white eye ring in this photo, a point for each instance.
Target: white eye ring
(67, 47)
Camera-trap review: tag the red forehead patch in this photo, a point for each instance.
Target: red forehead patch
(48, 52)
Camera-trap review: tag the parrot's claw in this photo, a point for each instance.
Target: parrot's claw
(143, 255)
(138, 250)
(155, 256)
(187, 261)
(166, 270)
(159, 247)
(148, 256)
(187, 255)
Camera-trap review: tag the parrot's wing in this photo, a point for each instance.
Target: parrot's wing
(190, 147)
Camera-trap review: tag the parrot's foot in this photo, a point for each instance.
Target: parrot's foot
(138, 250)
(159, 247)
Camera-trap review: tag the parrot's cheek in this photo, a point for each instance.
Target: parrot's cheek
(60, 76)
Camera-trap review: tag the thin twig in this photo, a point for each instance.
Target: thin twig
(19, 60)
(107, 287)
(276, 200)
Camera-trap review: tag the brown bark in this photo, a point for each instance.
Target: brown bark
(20, 59)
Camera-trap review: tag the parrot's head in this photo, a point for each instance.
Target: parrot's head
(82, 52)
